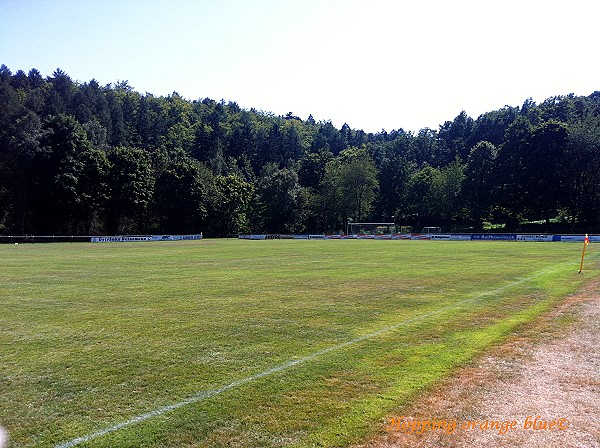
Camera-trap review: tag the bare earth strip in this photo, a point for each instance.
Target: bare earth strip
(551, 370)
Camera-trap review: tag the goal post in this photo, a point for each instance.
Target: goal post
(371, 228)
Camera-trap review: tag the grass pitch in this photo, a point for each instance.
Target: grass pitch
(93, 335)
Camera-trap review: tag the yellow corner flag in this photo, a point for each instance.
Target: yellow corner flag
(586, 241)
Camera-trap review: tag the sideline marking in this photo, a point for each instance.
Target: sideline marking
(210, 393)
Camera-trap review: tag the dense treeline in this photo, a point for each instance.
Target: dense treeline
(88, 159)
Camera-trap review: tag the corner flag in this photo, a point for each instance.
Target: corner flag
(586, 241)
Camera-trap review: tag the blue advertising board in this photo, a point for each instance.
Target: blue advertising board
(494, 236)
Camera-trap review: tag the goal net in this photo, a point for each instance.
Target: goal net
(371, 228)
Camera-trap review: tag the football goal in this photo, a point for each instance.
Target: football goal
(371, 228)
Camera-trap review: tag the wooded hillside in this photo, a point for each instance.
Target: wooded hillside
(81, 158)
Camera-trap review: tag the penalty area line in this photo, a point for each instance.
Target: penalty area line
(210, 393)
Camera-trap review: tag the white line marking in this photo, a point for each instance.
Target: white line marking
(210, 393)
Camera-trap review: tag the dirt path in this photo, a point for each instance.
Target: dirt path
(552, 370)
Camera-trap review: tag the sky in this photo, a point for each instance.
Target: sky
(374, 64)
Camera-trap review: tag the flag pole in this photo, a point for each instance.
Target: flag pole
(586, 241)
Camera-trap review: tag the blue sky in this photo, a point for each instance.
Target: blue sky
(373, 64)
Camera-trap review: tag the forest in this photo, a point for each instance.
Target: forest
(84, 159)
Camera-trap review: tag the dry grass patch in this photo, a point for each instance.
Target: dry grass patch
(551, 368)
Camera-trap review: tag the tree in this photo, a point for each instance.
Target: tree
(419, 202)
(545, 170)
(424, 148)
(20, 134)
(94, 192)
(358, 177)
(132, 182)
(433, 194)
(491, 126)
(510, 167)
(456, 136)
(312, 168)
(584, 172)
(5, 73)
(60, 94)
(480, 188)
(394, 175)
(280, 200)
(183, 192)
(532, 168)
(447, 189)
(69, 184)
(229, 214)
(348, 189)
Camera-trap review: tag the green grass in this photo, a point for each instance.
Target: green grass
(92, 335)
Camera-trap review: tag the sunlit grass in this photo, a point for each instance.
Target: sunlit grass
(92, 335)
